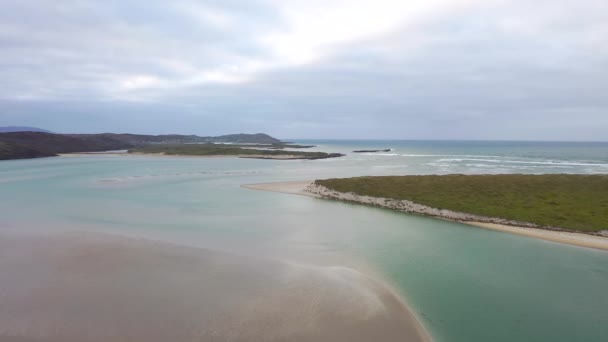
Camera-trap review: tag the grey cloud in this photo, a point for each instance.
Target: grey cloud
(516, 70)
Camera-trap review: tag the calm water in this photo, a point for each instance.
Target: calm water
(466, 284)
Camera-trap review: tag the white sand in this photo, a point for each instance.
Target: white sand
(85, 287)
(577, 239)
(308, 188)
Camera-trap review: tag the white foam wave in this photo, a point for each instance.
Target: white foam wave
(380, 154)
(448, 155)
(531, 162)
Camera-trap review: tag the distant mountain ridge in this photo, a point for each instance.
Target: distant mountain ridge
(7, 129)
(31, 144)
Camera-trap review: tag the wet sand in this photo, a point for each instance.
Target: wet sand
(294, 188)
(96, 287)
(577, 239)
(571, 238)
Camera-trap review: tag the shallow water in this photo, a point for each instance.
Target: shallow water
(90, 287)
(466, 284)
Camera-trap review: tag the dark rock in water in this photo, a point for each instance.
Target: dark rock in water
(372, 151)
(332, 155)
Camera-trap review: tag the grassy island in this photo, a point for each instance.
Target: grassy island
(573, 202)
(231, 150)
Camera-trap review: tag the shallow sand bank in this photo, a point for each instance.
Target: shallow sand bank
(294, 188)
(97, 287)
(308, 188)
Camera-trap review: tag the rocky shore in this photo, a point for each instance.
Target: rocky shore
(411, 207)
(597, 240)
(554, 234)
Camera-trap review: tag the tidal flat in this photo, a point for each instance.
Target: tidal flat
(99, 287)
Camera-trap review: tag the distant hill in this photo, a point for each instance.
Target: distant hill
(259, 138)
(22, 129)
(29, 144)
(139, 139)
(14, 151)
(50, 143)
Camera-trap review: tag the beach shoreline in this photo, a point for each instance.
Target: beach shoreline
(163, 155)
(310, 189)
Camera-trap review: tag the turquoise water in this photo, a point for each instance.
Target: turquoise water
(466, 284)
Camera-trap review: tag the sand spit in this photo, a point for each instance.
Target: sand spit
(93, 287)
(294, 188)
(515, 227)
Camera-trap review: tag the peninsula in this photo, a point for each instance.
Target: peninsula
(210, 150)
(563, 208)
(37, 144)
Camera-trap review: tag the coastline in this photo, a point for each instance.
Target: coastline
(308, 188)
(131, 154)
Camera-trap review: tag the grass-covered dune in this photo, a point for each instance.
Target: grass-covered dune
(575, 202)
(229, 150)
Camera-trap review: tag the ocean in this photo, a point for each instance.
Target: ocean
(464, 283)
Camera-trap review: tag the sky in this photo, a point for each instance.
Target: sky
(352, 69)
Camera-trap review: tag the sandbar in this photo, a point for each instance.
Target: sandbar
(93, 287)
(294, 188)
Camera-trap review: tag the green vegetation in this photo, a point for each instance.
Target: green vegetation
(32, 144)
(13, 151)
(577, 202)
(48, 144)
(229, 150)
(265, 146)
(287, 145)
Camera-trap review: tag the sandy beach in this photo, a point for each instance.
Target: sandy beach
(97, 287)
(307, 188)
(577, 239)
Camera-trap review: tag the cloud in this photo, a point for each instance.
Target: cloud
(396, 69)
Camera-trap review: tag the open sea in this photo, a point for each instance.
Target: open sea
(465, 283)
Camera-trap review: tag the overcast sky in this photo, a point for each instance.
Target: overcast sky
(432, 69)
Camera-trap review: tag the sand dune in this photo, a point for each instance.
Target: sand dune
(93, 287)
